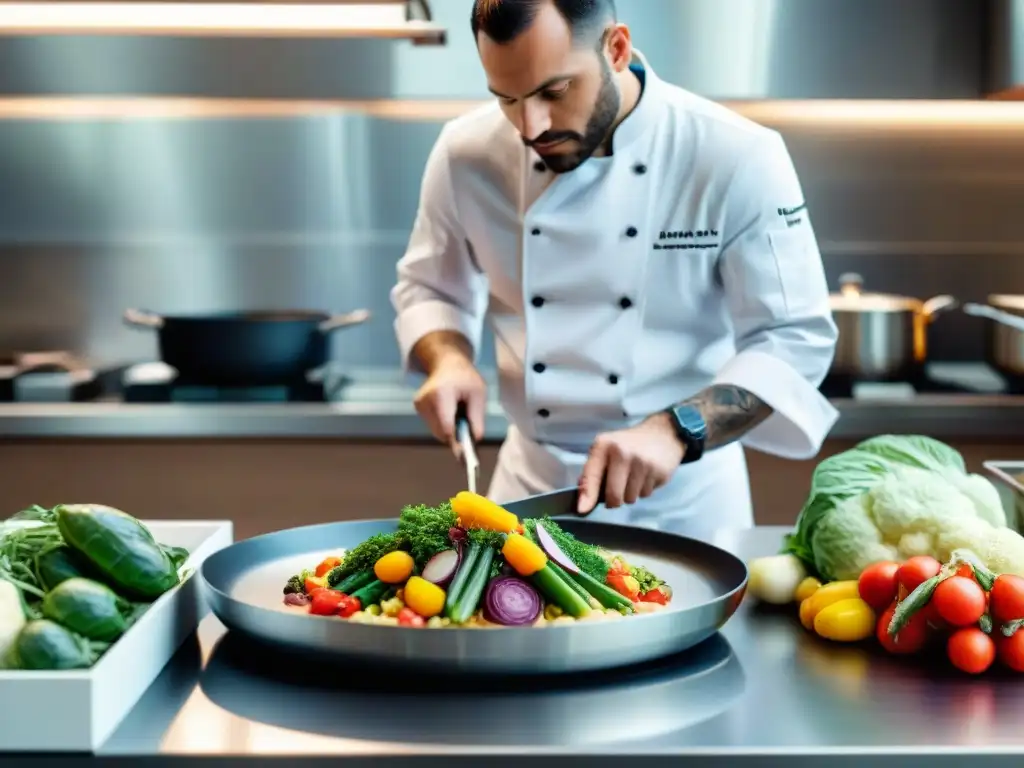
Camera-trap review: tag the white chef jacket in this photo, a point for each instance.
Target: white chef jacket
(684, 258)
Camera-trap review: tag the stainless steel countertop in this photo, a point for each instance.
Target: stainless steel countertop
(377, 404)
(763, 691)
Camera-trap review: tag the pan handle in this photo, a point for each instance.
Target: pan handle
(337, 322)
(938, 304)
(140, 318)
(996, 315)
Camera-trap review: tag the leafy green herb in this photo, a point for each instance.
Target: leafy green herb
(426, 529)
(587, 557)
(18, 549)
(645, 578)
(363, 556)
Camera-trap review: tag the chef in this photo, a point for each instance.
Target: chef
(646, 262)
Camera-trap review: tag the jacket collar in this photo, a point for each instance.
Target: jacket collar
(646, 112)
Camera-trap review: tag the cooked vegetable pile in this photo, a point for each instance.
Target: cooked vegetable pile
(469, 562)
(899, 543)
(73, 579)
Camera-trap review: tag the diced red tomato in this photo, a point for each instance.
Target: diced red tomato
(618, 565)
(660, 595)
(624, 584)
(349, 606)
(407, 617)
(326, 602)
(327, 565)
(314, 584)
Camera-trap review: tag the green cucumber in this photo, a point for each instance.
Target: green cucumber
(354, 582)
(604, 594)
(44, 644)
(473, 552)
(120, 547)
(371, 594)
(87, 608)
(58, 564)
(564, 575)
(557, 590)
(467, 602)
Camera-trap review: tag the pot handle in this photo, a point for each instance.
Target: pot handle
(938, 304)
(336, 322)
(140, 318)
(997, 315)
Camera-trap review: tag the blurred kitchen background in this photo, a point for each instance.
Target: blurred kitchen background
(246, 177)
(212, 172)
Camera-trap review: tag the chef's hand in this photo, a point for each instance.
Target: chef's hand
(454, 380)
(631, 463)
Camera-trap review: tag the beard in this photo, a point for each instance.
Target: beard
(599, 126)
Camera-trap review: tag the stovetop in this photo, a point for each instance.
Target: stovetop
(937, 379)
(59, 378)
(158, 383)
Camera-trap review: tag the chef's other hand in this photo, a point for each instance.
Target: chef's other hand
(453, 381)
(631, 464)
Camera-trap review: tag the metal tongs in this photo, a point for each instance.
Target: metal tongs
(465, 448)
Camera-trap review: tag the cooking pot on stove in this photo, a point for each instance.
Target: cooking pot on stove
(248, 348)
(882, 337)
(1004, 334)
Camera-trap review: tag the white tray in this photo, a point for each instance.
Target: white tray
(77, 710)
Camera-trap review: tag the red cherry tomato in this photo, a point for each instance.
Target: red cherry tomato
(918, 570)
(878, 584)
(959, 601)
(1011, 650)
(965, 570)
(908, 640)
(971, 650)
(1007, 598)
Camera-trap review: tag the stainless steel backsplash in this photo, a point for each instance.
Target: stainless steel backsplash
(313, 210)
(192, 215)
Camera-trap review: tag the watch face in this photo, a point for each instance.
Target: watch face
(689, 418)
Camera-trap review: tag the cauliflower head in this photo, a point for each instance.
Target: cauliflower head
(896, 496)
(914, 511)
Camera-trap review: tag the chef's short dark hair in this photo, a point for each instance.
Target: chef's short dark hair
(504, 20)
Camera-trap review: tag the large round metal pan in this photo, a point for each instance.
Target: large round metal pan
(244, 582)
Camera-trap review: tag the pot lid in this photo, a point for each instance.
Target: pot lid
(851, 298)
(1007, 301)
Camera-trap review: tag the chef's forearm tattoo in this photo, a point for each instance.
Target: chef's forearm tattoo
(729, 412)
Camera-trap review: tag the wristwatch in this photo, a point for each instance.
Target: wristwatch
(690, 429)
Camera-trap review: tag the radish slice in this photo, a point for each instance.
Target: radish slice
(552, 550)
(441, 567)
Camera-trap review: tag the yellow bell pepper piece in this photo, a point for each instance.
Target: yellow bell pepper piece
(394, 567)
(425, 598)
(846, 621)
(823, 597)
(476, 511)
(523, 555)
